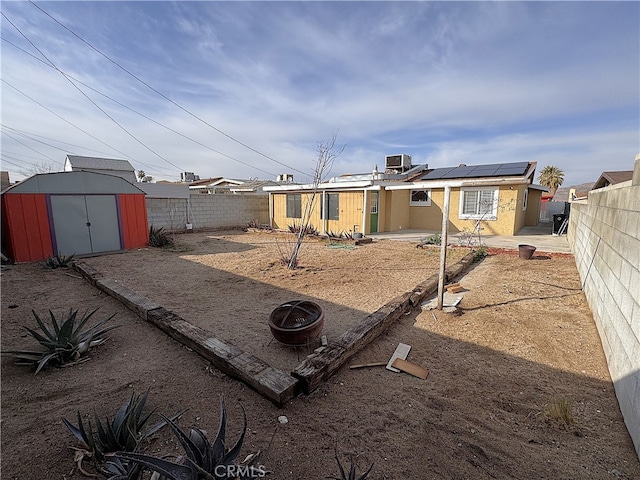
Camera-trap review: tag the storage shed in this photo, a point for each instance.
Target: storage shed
(72, 213)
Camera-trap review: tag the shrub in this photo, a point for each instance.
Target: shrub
(63, 343)
(352, 472)
(202, 459)
(561, 410)
(124, 433)
(58, 261)
(159, 238)
(480, 253)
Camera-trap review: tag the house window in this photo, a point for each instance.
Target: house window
(479, 203)
(330, 208)
(525, 199)
(294, 205)
(420, 198)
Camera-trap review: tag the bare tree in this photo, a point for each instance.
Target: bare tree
(327, 153)
(42, 167)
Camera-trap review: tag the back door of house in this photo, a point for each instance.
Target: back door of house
(85, 224)
(373, 212)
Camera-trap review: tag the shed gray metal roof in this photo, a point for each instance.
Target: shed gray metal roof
(84, 183)
(99, 163)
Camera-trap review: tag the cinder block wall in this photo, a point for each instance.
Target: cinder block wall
(208, 211)
(604, 234)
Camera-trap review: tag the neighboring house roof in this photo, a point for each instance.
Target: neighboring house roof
(110, 166)
(164, 190)
(611, 178)
(99, 163)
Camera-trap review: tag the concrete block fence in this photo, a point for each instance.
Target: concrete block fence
(604, 234)
(207, 211)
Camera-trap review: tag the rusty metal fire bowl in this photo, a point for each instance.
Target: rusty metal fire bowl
(297, 322)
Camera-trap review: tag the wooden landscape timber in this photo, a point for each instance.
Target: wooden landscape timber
(272, 383)
(318, 367)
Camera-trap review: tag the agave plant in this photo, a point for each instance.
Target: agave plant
(63, 342)
(59, 261)
(159, 238)
(203, 460)
(123, 433)
(352, 472)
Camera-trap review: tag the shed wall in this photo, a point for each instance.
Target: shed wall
(133, 220)
(27, 233)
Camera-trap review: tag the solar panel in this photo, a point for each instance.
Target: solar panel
(476, 171)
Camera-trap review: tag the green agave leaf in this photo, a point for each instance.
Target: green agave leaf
(157, 426)
(54, 322)
(233, 453)
(65, 333)
(46, 359)
(85, 318)
(52, 336)
(172, 471)
(218, 444)
(189, 447)
(78, 432)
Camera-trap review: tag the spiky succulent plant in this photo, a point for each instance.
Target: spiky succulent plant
(123, 433)
(203, 460)
(59, 261)
(352, 472)
(63, 342)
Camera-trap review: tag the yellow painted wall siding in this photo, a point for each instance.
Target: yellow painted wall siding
(350, 212)
(533, 208)
(397, 215)
(430, 218)
(520, 214)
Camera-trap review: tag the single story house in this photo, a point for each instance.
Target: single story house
(233, 186)
(108, 166)
(612, 178)
(499, 198)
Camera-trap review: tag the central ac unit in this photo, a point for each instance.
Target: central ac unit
(394, 162)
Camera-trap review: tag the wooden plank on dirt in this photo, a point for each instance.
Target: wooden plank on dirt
(411, 368)
(367, 365)
(402, 350)
(135, 302)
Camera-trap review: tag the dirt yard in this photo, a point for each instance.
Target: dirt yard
(522, 341)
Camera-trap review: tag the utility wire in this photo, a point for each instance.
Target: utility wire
(30, 148)
(134, 111)
(88, 98)
(163, 95)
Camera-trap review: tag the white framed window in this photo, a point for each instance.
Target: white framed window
(420, 198)
(525, 199)
(478, 204)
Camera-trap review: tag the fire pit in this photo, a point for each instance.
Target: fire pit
(295, 323)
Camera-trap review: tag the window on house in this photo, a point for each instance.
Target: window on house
(479, 204)
(294, 205)
(330, 208)
(525, 199)
(420, 198)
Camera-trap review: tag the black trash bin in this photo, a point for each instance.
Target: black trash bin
(558, 220)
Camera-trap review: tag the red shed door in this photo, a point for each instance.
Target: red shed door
(85, 224)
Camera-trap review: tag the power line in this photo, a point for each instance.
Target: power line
(134, 111)
(163, 95)
(88, 98)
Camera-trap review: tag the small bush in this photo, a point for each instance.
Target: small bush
(308, 229)
(59, 261)
(561, 410)
(64, 342)
(159, 238)
(480, 253)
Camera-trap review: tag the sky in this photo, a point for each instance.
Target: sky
(250, 89)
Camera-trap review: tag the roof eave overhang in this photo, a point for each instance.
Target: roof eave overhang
(455, 183)
(322, 186)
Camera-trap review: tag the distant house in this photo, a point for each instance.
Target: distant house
(109, 166)
(612, 178)
(499, 198)
(222, 185)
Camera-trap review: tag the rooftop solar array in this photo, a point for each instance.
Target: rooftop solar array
(476, 171)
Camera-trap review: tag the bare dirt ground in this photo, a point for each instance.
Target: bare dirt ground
(523, 339)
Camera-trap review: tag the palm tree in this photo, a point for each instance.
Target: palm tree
(551, 177)
(141, 175)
